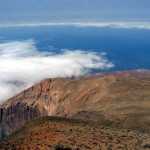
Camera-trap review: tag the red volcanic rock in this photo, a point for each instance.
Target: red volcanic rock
(120, 99)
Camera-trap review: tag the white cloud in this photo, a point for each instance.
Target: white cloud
(123, 24)
(21, 65)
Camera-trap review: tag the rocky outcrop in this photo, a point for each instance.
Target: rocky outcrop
(119, 99)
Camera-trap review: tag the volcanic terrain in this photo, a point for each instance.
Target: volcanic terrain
(53, 133)
(119, 102)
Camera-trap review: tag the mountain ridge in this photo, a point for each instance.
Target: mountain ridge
(118, 99)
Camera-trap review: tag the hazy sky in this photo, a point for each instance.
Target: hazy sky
(76, 10)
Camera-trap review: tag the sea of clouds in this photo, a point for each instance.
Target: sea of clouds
(121, 24)
(22, 65)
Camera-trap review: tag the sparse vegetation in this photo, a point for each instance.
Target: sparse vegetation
(68, 134)
(110, 112)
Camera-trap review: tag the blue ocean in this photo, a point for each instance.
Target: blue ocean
(128, 49)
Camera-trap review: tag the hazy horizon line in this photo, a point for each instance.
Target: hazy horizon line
(111, 24)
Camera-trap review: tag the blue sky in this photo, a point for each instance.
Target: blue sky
(73, 10)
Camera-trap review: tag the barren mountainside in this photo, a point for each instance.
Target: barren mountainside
(119, 99)
(54, 133)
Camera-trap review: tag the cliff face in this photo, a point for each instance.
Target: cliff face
(119, 99)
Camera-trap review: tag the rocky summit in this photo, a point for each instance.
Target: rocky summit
(119, 100)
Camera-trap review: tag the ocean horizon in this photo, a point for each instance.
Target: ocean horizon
(126, 47)
(28, 54)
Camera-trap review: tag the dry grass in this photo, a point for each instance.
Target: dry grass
(50, 133)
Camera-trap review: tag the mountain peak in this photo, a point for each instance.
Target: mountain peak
(108, 98)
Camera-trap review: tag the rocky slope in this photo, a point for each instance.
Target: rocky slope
(52, 133)
(120, 99)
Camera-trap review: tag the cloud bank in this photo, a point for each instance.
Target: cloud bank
(22, 65)
(123, 25)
